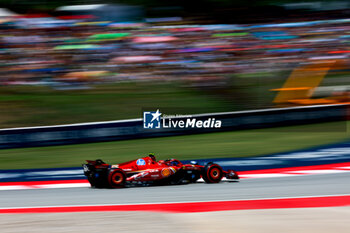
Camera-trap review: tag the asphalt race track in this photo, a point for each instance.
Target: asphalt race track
(297, 186)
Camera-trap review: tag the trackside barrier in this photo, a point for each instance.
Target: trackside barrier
(132, 129)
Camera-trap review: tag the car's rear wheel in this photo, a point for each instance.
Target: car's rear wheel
(212, 173)
(117, 178)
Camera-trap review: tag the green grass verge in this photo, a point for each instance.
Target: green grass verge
(213, 145)
(33, 106)
(39, 105)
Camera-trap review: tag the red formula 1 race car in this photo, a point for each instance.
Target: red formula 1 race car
(147, 171)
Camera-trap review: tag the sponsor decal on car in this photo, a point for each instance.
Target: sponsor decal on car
(140, 175)
(141, 162)
(173, 169)
(166, 172)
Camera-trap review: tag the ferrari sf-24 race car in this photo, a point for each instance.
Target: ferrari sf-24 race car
(147, 171)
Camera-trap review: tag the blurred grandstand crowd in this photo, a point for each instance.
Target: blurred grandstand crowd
(44, 50)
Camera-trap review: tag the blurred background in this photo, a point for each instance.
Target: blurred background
(78, 61)
(68, 62)
(82, 61)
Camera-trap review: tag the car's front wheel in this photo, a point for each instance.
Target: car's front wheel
(212, 173)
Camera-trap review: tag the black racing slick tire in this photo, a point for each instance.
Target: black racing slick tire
(117, 178)
(212, 173)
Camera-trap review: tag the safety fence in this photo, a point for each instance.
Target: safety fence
(132, 129)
